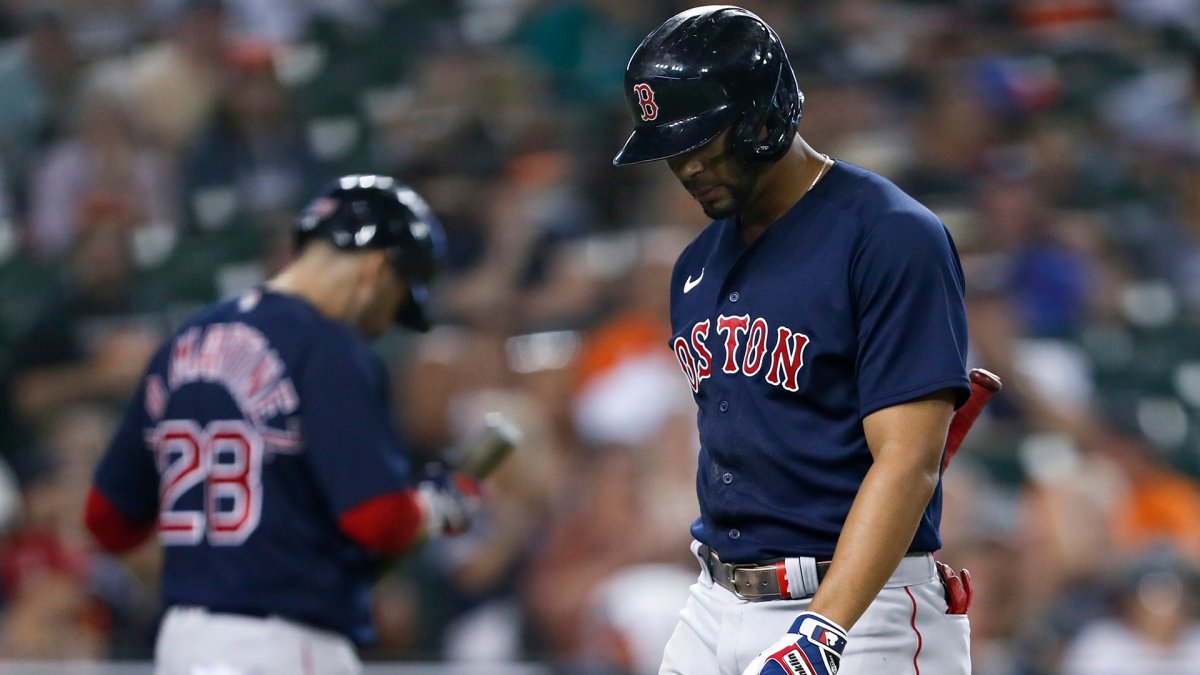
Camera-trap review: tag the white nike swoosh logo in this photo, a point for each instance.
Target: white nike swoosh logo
(689, 284)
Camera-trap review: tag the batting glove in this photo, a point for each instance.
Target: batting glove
(813, 646)
(958, 587)
(449, 504)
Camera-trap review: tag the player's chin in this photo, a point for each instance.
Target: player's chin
(719, 208)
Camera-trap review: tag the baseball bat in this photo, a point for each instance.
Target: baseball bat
(983, 385)
(480, 454)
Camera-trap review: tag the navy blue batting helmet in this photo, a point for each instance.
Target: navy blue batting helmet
(705, 70)
(379, 212)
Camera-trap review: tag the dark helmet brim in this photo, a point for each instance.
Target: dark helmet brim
(649, 143)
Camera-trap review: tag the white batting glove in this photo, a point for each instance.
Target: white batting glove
(448, 505)
(813, 646)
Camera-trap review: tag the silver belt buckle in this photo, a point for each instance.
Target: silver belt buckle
(756, 582)
(746, 582)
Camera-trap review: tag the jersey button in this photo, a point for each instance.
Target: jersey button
(724, 406)
(733, 297)
(735, 533)
(727, 478)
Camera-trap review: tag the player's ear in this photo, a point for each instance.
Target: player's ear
(374, 265)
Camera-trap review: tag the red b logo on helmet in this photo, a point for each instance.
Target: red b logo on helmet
(646, 99)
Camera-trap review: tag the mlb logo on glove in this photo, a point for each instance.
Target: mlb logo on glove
(813, 646)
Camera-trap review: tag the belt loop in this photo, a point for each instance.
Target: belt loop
(797, 577)
(702, 555)
(807, 569)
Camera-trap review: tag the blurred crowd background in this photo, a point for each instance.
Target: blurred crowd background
(153, 154)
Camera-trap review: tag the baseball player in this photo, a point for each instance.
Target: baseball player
(819, 320)
(260, 448)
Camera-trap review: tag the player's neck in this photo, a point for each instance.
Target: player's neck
(780, 186)
(329, 297)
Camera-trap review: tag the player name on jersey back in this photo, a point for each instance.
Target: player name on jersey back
(239, 358)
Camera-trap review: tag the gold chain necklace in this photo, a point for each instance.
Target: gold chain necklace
(826, 162)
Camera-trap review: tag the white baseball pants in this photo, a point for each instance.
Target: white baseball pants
(905, 631)
(194, 641)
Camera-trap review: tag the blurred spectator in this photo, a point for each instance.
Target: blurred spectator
(49, 614)
(254, 149)
(628, 379)
(101, 175)
(631, 617)
(92, 346)
(1155, 627)
(1180, 250)
(1156, 506)
(461, 98)
(951, 133)
(634, 478)
(175, 83)
(278, 23)
(1155, 111)
(100, 27)
(39, 73)
(599, 530)
(400, 624)
(874, 36)
(583, 45)
(1049, 281)
(54, 608)
(1066, 508)
(535, 251)
(980, 528)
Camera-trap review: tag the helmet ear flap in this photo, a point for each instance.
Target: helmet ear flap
(778, 111)
(752, 121)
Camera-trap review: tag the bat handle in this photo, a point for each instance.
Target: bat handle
(480, 455)
(983, 385)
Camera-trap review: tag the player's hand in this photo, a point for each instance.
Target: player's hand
(449, 502)
(813, 646)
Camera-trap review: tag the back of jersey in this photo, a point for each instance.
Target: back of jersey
(256, 426)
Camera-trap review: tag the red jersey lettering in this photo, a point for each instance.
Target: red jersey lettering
(731, 326)
(704, 357)
(787, 359)
(756, 347)
(687, 362)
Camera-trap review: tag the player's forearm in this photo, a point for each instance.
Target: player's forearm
(877, 534)
(906, 444)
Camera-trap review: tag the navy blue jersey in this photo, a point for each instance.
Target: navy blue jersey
(851, 302)
(255, 427)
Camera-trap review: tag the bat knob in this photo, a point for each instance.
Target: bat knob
(986, 379)
(506, 429)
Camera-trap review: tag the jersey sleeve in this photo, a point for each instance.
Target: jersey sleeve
(912, 326)
(349, 440)
(126, 475)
